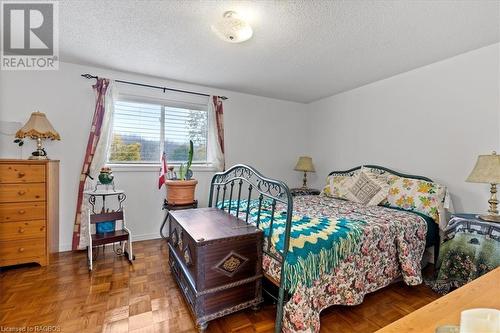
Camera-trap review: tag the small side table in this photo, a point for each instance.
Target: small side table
(471, 248)
(168, 207)
(122, 235)
(304, 191)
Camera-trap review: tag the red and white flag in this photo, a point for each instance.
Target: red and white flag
(163, 170)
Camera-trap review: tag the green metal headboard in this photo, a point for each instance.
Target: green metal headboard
(240, 182)
(379, 169)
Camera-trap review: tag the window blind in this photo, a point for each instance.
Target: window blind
(138, 135)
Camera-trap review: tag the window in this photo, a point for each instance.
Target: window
(142, 130)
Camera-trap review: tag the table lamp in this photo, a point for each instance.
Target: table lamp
(487, 170)
(304, 164)
(38, 127)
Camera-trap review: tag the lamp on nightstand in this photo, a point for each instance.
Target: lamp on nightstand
(304, 164)
(487, 170)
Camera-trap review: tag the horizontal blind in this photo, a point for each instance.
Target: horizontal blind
(182, 125)
(136, 133)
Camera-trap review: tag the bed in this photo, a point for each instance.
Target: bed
(321, 251)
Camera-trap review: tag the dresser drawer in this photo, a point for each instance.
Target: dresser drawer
(22, 230)
(21, 173)
(24, 211)
(27, 248)
(22, 192)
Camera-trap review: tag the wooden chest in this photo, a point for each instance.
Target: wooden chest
(29, 211)
(217, 262)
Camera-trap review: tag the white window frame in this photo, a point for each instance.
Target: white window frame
(148, 167)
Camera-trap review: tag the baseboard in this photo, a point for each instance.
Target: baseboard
(135, 238)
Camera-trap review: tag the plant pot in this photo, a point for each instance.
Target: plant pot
(180, 192)
(105, 178)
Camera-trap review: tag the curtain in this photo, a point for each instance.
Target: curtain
(216, 132)
(95, 156)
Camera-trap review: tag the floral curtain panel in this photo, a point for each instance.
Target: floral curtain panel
(95, 156)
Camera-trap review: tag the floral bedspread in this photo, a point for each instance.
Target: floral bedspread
(392, 245)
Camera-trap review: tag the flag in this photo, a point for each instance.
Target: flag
(163, 170)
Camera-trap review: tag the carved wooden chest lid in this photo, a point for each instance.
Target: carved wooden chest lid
(209, 224)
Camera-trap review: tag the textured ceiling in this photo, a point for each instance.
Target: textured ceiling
(301, 50)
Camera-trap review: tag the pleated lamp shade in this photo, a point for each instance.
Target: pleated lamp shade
(486, 170)
(304, 164)
(38, 127)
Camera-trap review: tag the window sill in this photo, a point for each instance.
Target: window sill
(156, 168)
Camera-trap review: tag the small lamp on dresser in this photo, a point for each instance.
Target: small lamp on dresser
(487, 170)
(304, 164)
(38, 127)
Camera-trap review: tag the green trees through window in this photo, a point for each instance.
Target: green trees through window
(141, 131)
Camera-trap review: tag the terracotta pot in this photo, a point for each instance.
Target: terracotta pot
(180, 192)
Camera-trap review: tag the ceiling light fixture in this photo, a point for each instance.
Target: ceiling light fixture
(231, 28)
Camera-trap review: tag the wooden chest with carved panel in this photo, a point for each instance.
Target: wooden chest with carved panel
(216, 260)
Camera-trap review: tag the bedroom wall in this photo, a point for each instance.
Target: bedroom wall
(431, 121)
(259, 131)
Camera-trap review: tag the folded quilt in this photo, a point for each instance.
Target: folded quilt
(317, 243)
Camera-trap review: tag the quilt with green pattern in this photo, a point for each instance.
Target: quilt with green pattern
(317, 243)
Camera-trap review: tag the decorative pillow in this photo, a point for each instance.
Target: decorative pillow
(381, 175)
(417, 195)
(367, 189)
(336, 186)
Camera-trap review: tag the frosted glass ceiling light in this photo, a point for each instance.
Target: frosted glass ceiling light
(231, 28)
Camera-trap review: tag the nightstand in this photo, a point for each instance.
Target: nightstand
(304, 191)
(471, 248)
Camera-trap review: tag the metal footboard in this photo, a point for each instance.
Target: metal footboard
(242, 182)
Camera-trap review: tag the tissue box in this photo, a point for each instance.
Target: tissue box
(106, 226)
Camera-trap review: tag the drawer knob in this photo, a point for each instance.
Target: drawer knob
(21, 249)
(21, 192)
(21, 230)
(21, 211)
(21, 174)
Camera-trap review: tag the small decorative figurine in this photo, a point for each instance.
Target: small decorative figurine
(171, 173)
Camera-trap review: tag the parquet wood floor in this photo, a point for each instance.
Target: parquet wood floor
(143, 297)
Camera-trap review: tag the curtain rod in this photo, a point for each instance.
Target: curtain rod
(90, 76)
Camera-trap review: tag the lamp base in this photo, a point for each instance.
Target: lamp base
(44, 157)
(490, 218)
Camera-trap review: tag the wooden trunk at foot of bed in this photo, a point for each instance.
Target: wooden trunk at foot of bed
(216, 261)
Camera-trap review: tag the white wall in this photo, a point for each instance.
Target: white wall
(431, 121)
(259, 131)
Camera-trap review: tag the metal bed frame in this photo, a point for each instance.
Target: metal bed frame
(259, 187)
(263, 188)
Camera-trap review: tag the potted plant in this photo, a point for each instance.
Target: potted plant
(180, 191)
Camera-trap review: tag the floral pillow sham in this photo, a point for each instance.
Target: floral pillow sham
(336, 186)
(416, 195)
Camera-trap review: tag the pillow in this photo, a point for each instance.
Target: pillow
(336, 186)
(417, 195)
(367, 189)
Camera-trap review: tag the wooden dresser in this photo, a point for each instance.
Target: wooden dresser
(216, 260)
(29, 211)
